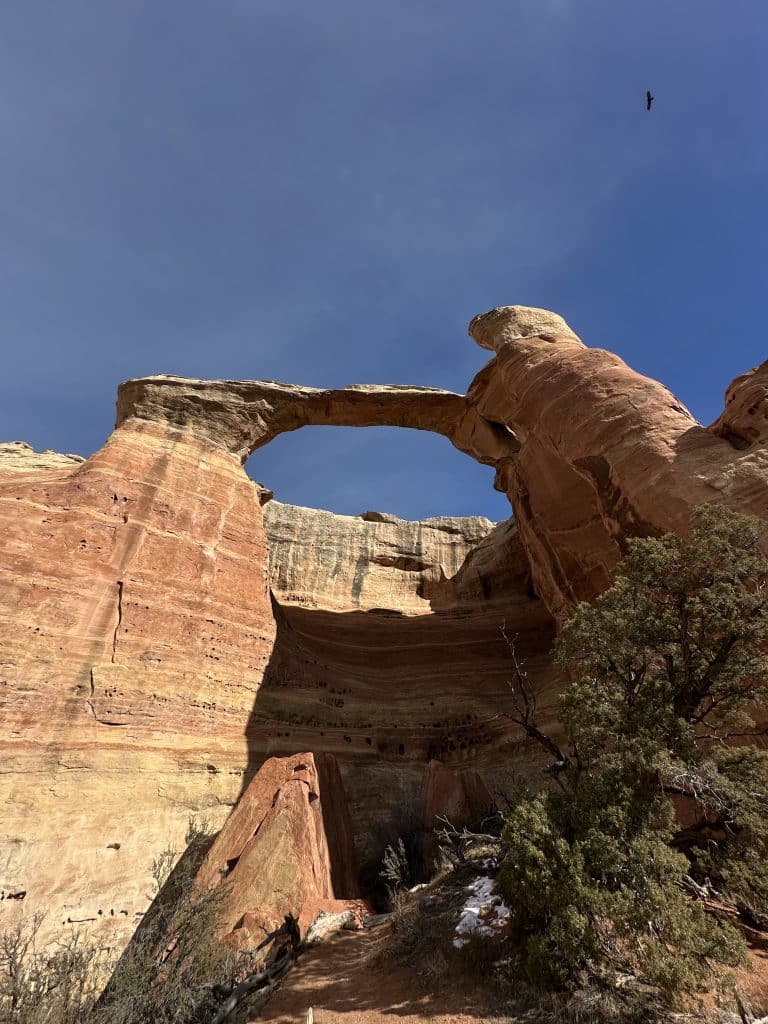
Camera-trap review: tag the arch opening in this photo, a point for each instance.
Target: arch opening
(412, 474)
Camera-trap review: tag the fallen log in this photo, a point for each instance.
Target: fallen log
(255, 982)
(261, 979)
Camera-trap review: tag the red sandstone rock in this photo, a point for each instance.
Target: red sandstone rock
(242, 415)
(286, 848)
(388, 666)
(145, 667)
(462, 797)
(744, 420)
(135, 627)
(605, 453)
(139, 678)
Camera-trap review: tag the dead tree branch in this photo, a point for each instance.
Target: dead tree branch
(286, 956)
(455, 843)
(524, 703)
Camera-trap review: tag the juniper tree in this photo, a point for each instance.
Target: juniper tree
(668, 677)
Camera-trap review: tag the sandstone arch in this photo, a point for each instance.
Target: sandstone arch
(137, 623)
(242, 416)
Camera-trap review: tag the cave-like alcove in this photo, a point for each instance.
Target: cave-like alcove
(389, 649)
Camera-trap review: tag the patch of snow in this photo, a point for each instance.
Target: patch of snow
(483, 913)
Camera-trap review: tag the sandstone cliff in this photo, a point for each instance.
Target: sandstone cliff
(161, 634)
(605, 453)
(135, 627)
(389, 652)
(140, 678)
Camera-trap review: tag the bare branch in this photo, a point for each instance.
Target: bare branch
(260, 979)
(525, 707)
(456, 842)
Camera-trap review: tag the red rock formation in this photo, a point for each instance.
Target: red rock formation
(389, 661)
(243, 415)
(605, 453)
(138, 678)
(462, 797)
(146, 672)
(744, 420)
(286, 848)
(135, 626)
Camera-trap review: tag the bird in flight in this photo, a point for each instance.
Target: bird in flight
(648, 99)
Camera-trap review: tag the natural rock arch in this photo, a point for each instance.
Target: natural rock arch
(137, 623)
(411, 474)
(242, 416)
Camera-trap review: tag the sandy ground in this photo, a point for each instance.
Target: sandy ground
(334, 979)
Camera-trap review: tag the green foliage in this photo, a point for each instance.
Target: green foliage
(673, 651)
(667, 668)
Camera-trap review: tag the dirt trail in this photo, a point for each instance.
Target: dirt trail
(342, 987)
(335, 980)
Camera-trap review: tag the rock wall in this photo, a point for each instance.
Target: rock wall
(370, 562)
(147, 671)
(605, 453)
(389, 653)
(141, 682)
(135, 626)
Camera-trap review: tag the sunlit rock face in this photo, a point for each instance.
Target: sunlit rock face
(147, 672)
(604, 452)
(285, 849)
(135, 627)
(165, 628)
(369, 562)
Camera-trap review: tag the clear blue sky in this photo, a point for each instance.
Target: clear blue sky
(325, 191)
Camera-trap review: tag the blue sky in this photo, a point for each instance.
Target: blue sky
(326, 193)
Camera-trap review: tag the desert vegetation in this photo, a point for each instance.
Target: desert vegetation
(646, 853)
(174, 971)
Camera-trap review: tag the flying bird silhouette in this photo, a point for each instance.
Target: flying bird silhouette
(648, 99)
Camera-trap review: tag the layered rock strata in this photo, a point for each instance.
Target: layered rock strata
(370, 562)
(605, 453)
(389, 653)
(146, 671)
(140, 679)
(243, 415)
(135, 628)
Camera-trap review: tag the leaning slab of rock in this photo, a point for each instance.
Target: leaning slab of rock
(286, 849)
